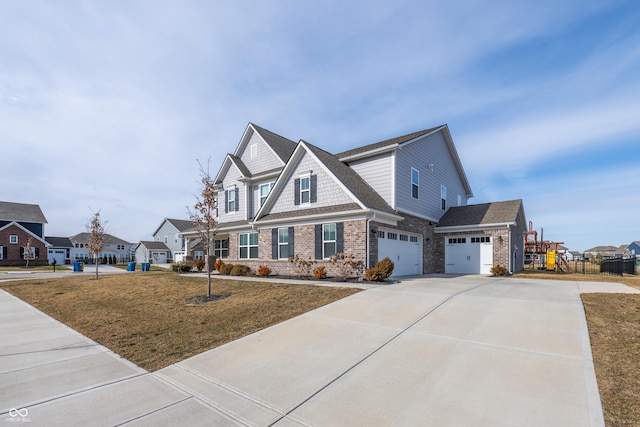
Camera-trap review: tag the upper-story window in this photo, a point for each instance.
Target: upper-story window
(415, 182)
(265, 189)
(443, 197)
(305, 189)
(231, 200)
(13, 239)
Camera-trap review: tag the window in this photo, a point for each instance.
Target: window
(264, 192)
(1, 252)
(443, 197)
(221, 248)
(483, 239)
(328, 240)
(231, 200)
(198, 254)
(413, 239)
(166, 240)
(13, 239)
(392, 236)
(305, 189)
(248, 245)
(404, 238)
(415, 183)
(283, 243)
(381, 234)
(456, 240)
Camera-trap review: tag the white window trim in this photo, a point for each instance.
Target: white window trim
(335, 241)
(443, 197)
(270, 186)
(308, 190)
(1, 252)
(13, 239)
(231, 199)
(281, 244)
(417, 184)
(248, 245)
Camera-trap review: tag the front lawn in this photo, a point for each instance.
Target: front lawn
(147, 319)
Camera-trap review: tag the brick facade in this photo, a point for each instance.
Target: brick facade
(12, 250)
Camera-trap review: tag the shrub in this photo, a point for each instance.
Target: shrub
(302, 265)
(499, 270)
(219, 263)
(240, 270)
(182, 268)
(226, 268)
(320, 272)
(264, 271)
(381, 271)
(199, 264)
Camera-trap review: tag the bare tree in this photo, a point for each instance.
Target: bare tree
(204, 215)
(28, 252)
(96, 240)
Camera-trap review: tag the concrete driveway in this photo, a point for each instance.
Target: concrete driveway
(442, 351)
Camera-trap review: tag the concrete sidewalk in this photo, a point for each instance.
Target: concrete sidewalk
(449, 351)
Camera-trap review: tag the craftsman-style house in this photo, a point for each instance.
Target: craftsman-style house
(278, 199)
(22, 227)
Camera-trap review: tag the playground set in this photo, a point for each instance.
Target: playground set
(543, 254)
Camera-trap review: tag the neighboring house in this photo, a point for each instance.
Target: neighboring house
(18, 223)
(573, 256)
(603, 251)
(115, 247)
(169, 232)
(634, 248)
(278, 199)
(477, 237)
(60, 250)
(153, 252)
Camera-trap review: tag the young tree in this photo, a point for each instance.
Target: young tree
(95, 227)
(204, 216)
(28, 252)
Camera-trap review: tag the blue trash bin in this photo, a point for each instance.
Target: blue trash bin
(131, 266)
(145, 266)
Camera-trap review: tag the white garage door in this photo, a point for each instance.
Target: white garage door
(404, 249)
(159, 257)
(58, 255)
(468, 254)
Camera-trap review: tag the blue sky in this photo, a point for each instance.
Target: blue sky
(107, 105)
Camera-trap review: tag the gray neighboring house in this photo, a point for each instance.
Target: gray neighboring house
(474, 238)
(114, 246)
(152, 252)
(60, 250)
(169, 232)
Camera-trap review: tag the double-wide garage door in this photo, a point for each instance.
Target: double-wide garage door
(468, 254)
(404, 249)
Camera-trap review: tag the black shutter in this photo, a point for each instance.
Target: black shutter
(291, 243)
(21, 252)
(296, 192)
(237, 193)
(340, 238)
(37, 252)
(313, 196)
(4, 252)
(250, 201)
(274, 243)
(226, 201)
(318, 241)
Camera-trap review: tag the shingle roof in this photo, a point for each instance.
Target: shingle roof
(244, 170)
(352, 180)
(21, 212)
(485, 213)
(181, 224)
(397, 140)
(312, 211)
(60, 242)
(282, 146)
(108, 239)
(154, 245)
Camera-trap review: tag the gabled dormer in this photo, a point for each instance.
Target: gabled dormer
(247, 176)
(315, 183)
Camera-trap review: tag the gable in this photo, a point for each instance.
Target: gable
(258, 155)
(13, 227)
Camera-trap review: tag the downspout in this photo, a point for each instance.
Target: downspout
(509, 250)
(366, 263)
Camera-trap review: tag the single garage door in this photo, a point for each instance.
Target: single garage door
(468, 254)
(404, 249)
(58, 255)
(159, 257)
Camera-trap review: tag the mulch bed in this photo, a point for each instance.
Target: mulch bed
(202, 299)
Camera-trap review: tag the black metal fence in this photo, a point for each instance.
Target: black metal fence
(591, 265)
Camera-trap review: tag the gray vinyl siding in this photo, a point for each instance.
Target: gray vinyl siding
(167, 229)
(329, 191)
(377, 172)
(232, 177)
(255, 197)
(431, 149)
(265, 158)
